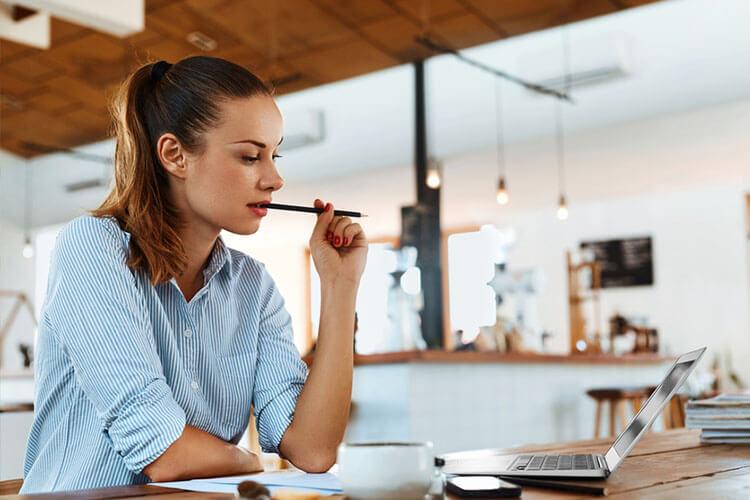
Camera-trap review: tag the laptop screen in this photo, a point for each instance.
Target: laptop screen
(652, 407)
(676, 376)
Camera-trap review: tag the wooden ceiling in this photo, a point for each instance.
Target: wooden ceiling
(59, 96)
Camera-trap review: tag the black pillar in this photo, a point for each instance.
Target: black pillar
(428, 210)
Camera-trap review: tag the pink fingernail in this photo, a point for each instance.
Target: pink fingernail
(337, 241)
(346, 241)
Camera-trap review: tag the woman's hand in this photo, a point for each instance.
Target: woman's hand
(249, 462)
(338, 247)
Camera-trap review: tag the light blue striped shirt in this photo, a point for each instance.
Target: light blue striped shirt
(122, 365)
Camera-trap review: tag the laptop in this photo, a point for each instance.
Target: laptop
(489, 462)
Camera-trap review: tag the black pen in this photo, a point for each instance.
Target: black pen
(312, 210)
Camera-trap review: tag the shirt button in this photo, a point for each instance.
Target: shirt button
(194, 385)
(188, 333)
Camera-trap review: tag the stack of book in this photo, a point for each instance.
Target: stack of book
(723, 419)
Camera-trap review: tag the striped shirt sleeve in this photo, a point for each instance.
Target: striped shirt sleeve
(280, 373)
(101, 322)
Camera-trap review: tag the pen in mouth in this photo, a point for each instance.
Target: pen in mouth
(300, 208)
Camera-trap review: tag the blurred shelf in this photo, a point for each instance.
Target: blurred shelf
(16, 407)
(498, 357)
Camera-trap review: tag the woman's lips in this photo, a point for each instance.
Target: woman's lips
(260, 212)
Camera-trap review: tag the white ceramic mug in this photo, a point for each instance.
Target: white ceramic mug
(386, 470)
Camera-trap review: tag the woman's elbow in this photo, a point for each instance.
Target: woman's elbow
(316, 463)
(158, 471)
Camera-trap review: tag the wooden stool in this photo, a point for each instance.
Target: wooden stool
(616, 397)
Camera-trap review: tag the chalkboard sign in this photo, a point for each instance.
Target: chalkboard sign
(624, 262)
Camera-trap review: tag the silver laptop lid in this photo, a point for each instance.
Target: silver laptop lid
(675, 377)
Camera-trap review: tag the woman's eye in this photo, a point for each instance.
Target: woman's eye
(250, 159)
(276, 156)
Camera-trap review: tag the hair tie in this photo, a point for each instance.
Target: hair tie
(158, 70)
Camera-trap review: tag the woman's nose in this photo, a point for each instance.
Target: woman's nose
(272, 180)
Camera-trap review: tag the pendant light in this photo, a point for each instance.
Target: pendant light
(562, 204)
(434, 173)
(502, 191)
(28, 248)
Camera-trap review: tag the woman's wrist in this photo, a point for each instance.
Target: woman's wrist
(341, 284)
(247, 461)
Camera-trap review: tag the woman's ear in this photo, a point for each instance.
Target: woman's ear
(171, 155)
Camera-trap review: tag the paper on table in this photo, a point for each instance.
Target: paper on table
(326, 483)
(199, 485)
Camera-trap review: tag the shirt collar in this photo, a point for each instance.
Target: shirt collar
(220, 258)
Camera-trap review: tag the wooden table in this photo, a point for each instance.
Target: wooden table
(665, 465)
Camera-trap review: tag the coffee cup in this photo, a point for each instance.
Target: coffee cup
(386, 470)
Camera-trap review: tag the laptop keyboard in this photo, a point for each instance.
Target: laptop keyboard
(555, 462)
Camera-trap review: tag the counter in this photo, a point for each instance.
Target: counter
(466, 400)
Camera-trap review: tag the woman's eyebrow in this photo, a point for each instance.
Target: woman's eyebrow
(257, 143)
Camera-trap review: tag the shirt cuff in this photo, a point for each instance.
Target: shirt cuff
(146, 426)
(274, 419)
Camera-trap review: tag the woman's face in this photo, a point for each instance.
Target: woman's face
(236, 166)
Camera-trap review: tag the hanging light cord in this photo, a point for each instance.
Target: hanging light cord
(500, 137)
(559, 114)
(27, 201)
(560, 149)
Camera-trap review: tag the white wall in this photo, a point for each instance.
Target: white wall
(680, 178)
(16, 272)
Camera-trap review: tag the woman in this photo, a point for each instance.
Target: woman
(155, 338)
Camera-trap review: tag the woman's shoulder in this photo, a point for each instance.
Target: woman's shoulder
(92, 233)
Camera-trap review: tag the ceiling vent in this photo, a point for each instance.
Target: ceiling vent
(303, 128)
(593, 61)
(202, 41)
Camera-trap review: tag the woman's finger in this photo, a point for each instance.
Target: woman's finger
(350, 232)
(338, 230)
(324, 220)
(331, 228)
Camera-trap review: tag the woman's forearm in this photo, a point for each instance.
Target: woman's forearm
(322, 410)
(199, 454)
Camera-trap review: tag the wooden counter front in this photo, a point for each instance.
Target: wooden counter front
(497, 357)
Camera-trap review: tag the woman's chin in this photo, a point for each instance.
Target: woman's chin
(244, 228)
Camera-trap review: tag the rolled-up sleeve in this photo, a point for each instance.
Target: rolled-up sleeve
(102, 323)
(280, 372)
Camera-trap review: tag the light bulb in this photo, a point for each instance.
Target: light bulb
(28, 249)
(562, 209)
(502, 193)
(433, 179)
